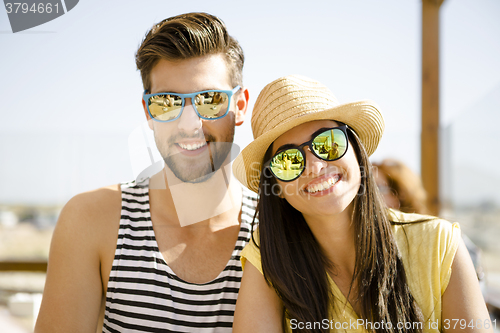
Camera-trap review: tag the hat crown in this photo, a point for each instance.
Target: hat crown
(287, 98)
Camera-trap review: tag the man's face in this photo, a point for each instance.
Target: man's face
(194, 148)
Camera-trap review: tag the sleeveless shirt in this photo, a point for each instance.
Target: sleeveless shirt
(145, 295)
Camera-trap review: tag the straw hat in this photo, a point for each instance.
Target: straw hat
(293, 100)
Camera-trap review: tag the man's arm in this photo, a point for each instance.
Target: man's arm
(258, 308)
(463, 307)
(74, 288)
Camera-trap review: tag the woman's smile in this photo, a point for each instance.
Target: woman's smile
(321, 185)
(335, 182)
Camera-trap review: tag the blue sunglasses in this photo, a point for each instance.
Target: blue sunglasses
(208, 104)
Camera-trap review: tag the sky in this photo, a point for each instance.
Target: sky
(70, 95)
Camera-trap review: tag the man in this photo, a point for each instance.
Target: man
(162, 254)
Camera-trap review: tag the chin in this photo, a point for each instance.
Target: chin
(187, 174)
(327, 208)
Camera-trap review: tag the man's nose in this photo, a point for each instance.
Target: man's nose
(189, 121)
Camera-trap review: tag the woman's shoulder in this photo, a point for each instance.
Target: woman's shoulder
(251, 252)
(420, 224)
(427, 246)
(424, 236)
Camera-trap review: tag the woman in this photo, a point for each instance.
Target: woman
(400, 187)
(329, 255)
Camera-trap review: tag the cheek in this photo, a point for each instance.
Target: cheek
(163, 132)
(221, 130)
(289, 191)
(354, 170)
(162, 128)
(356, 177)
(355, 182)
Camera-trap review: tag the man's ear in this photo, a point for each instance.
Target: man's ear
(241, 106)
(150, 121)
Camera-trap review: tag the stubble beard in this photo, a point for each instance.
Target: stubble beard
(203, 169)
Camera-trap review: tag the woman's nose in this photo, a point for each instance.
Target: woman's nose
(314, 164)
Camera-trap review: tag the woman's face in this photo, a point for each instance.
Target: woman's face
(324, 188)
(390, 198)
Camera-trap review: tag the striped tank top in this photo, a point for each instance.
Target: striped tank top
(145, 295)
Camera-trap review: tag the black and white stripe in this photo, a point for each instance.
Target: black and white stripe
(145, 295)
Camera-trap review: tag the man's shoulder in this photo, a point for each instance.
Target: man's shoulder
(96, 201)
(93, 207)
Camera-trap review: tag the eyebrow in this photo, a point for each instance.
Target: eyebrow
(285, 147)
(162, 91)
(291, 145)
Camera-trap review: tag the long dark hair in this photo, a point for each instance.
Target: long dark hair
(295, 266)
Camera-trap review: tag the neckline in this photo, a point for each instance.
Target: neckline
(337, 293)
(160, 257)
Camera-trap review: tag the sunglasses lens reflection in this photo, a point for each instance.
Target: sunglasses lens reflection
(330, 145)
(288, 164)
(165, 107)
(212, 104)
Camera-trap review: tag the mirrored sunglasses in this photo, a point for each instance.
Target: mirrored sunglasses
(327, 144)
(208, 104)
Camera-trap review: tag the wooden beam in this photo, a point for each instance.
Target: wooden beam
(429, 150)
(23, 266)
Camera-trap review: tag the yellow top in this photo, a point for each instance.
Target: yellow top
(432, 246)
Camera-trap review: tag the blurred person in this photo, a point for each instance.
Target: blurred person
(120, 257)
(287, 163)
(217, 99)
(328, 255)
(199, 99)
(401, 188)
(333, 152)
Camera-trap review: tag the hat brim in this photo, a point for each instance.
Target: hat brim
(362, 117)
